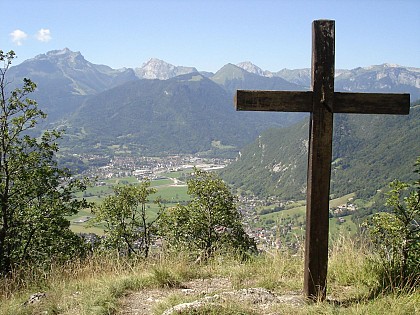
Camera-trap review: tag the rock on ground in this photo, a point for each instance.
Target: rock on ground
(210, 292)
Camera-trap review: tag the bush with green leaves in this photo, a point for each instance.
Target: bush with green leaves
(210, 222)
(35, 194)
(396, 235)
(127, 227)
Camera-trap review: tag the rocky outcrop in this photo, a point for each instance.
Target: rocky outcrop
(260, 298)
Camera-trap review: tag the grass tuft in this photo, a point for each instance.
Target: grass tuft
(97, 285)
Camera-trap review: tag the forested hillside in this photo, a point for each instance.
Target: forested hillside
(368, 152)
(185, 114)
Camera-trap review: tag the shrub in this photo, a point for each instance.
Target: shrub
(396, 235)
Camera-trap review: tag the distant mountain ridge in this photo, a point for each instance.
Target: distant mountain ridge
(87, 99)
(185, 114)
(377, 78)
(87, 78)
(81, 76)
(233, 77)
(65, 79)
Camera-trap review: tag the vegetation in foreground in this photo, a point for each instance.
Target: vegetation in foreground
(96, 285)
(396, 235)
(35, 194)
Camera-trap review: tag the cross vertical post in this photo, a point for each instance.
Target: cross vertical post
(319, 159)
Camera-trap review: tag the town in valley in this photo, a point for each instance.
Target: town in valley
(272, 222)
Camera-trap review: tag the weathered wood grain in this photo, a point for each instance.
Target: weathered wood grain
(294, 101)
(319, 160)
(372, 103)
(278, 101)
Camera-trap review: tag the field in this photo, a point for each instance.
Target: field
(170, 190)
(295, 214)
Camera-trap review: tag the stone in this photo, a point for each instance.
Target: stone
(35, 298)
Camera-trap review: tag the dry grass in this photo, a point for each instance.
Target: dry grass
(96, 286)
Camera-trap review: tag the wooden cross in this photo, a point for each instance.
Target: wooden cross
(321, 102)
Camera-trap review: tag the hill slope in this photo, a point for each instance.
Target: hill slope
(369, 151)
(185, 114)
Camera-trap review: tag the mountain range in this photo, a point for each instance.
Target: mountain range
(185, 114)
(377, 78)
(160, 108)
(65, 79)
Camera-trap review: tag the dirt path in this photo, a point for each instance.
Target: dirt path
(205, 290)
(143, 302)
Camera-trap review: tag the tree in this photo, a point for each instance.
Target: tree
(396, 235)
(209, 222)
(35, 195)
(127, 227)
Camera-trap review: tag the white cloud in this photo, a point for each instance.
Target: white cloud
(18, 36)
(43, 35)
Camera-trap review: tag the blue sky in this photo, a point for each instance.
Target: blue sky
(209, 34)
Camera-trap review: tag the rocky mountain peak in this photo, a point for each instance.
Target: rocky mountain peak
(390, 65)
(62, 55)
(156, 62)
(158, 69)
(250, 67)
(61, 52)
(73, 71)
(64, 58)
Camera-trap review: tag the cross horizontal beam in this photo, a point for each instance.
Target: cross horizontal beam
(297, 101)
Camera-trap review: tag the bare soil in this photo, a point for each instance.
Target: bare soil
(143, 302)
